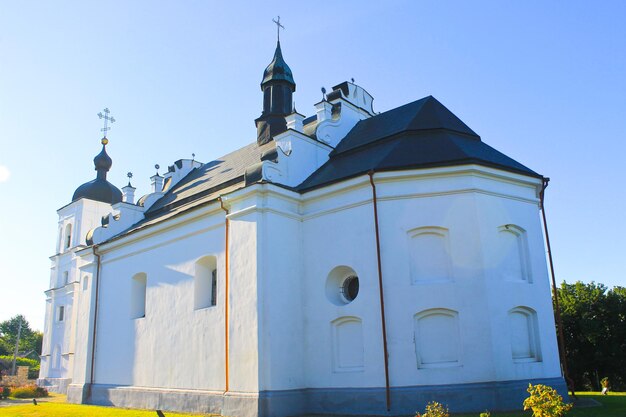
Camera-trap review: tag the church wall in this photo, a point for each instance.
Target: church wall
(243, 308)
(530, 291)
(293, 337)
(83, 334)
(468, 304)
(60, 338)
(174, 345)
(460, 294)
(281, 291)
(333, 238)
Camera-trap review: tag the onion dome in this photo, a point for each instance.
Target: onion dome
(278, 70)
(100, 189)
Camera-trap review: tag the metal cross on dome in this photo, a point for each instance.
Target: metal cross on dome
(278, 27)
(107, 119)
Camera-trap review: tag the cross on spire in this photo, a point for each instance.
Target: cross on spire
(278, 27)
(107, 119)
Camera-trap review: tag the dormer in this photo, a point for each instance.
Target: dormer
(342, 108)
(177, 171)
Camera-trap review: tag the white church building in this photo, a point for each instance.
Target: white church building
(349, 262)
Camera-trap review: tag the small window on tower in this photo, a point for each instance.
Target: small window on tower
(61, 314)
(68, 235)
(66, 277)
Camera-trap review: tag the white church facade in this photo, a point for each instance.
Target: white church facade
(349, 262)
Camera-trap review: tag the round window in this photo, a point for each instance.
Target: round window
(342, 285)
(350, 288)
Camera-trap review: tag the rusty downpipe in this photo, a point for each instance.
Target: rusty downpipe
(557, 308)
(226, 283)
(380, 291)
(95, 322)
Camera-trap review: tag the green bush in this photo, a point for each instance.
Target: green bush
(30, 391)
(33, 365)
(544, 401)
(435, 409)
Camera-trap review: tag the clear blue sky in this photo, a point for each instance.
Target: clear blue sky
(543, 82)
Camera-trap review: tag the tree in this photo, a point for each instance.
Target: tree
(29, 339)
(594, 328)
(5, 348)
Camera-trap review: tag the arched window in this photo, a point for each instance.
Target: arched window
(437, 338)
(138, 295)
(68, 235)
(348, 349)
(514, 262)
(525, 346)
(205, 282)
(429, 253)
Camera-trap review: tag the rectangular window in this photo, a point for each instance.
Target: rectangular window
(61, 314)
(138, 295)
(214, 287)
(205, 283)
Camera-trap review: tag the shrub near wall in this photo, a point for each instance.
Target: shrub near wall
(30, 391)
(33, 365)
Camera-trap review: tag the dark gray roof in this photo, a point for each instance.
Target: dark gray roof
(98, 190)
(207, 182)
(417, 135)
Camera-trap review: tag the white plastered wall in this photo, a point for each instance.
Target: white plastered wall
(338, 229)
(174, 345)
(82, 215)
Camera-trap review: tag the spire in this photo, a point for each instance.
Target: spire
(278, 70)
(278, 87)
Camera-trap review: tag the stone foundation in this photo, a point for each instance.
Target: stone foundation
(58, 385)
(492, 396)
(16, 380)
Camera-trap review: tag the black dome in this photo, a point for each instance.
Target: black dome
(98, 190)
(103, 161)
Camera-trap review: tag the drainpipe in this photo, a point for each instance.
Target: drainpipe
(226, 278)
(95, 321)
(557, 308)
(380, 291)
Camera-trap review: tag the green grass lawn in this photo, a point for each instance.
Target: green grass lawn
(56, 406)
(613, 405)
